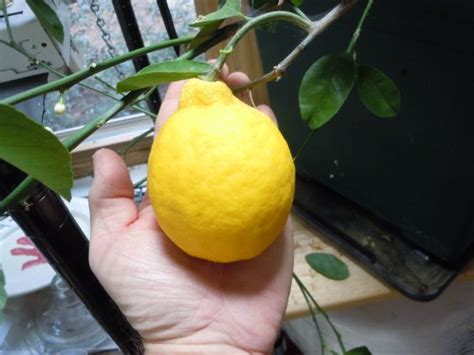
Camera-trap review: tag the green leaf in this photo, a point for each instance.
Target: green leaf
(377, 91)
(325, 87)
(328, 265)
(231, 8)
(361, 350)
(205, 33)
(3, 293)
(164, 72)
(47, 18)
(25, 144)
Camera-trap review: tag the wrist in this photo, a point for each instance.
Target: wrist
(204, 341)
(157, 349)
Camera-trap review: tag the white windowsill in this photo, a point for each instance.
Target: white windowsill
(119, 130)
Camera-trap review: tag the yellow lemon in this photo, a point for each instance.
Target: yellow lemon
(221, 177)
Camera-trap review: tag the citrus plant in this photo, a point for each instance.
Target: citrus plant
(323, 91)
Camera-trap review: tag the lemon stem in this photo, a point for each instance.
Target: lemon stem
(256, 22)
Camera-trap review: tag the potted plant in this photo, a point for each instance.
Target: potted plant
(36, 167)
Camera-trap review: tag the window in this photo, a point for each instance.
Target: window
(84, 104)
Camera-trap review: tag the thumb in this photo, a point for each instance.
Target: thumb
(111, 196)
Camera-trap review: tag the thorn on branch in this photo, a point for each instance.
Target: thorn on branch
(279, 71)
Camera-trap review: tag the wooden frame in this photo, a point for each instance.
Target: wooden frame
(246, 58)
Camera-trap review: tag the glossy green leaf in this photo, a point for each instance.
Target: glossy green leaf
(164, 72)
(230, 9)
(325, 87)
(47, 18)
(25, 144)
(377, 91)
(328, 265)
(3, 293)
(361, 350)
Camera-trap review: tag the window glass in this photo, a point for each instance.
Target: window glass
(84, 104)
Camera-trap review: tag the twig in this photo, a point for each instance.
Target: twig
(140, 182)
(74, 140)
(19, 193)
(103, 82)
(254, 23)
(317, 28)
(297, 10)
(146, 96)
(69, 80)
(324, 314)
(356, 34)
(304, 291)
(135, 106)
(135, 140)
(7, 21)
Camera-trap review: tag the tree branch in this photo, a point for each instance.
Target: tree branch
(254, 23)
(316, 29)
(76, 77)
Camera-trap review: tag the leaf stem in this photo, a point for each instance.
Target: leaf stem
(316, 28)
(324, 314)
(304, 291)
(254, 23)
(356, 34)
(305, 143)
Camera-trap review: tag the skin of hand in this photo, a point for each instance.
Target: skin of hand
(178, 303)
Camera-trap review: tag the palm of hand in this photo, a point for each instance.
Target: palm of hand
(168, 296)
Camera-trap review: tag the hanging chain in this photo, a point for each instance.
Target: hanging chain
(95, 8)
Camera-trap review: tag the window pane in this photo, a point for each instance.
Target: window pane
(84, 104)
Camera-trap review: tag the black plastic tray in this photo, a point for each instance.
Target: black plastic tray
(375, 244)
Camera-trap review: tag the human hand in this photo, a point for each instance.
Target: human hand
(176, 302)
